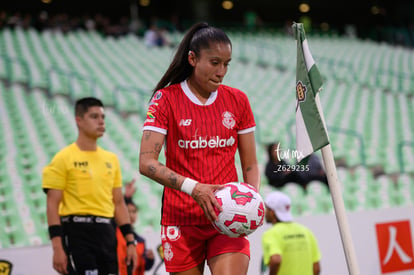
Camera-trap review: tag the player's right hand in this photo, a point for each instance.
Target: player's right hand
(60, 261)
(203, 194)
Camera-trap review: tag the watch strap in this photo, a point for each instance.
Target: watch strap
(134, 243)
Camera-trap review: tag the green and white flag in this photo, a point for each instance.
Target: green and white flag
(311, 134)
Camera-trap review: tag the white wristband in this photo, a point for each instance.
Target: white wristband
(188, 186)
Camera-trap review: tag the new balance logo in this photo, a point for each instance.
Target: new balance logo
(185, 122)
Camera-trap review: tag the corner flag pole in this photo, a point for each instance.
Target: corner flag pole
(339, 208)
(312, 135)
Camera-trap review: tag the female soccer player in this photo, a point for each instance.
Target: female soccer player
(201, 123)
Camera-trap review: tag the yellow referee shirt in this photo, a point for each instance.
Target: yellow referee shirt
(86, 179)
(295, 243)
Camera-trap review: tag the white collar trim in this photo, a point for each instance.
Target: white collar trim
(193, 98)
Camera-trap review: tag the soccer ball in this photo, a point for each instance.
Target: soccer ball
(243, 209)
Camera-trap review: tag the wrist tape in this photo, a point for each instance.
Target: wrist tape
(188, 186)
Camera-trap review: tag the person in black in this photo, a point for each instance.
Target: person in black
(315, 172)
(278, 172)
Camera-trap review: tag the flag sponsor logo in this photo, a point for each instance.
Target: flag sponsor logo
(301, 91)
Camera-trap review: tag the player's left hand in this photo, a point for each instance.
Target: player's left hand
(130, 188)
(203, 194)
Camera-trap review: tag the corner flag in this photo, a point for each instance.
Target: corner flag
(311, 134)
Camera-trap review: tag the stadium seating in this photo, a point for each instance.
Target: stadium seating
(367, 100)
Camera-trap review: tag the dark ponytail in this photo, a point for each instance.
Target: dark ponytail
(198, 37)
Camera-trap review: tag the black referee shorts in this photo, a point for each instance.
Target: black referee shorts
(90, 243)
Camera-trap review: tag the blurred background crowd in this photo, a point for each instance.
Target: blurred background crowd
(378, 20)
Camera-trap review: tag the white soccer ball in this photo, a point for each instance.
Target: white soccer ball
(243, 209)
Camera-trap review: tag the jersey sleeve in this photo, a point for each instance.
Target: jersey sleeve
(316, 253)
(247, 122)
(271, 246)
(54, 174)
(157, 113)
(118, 174)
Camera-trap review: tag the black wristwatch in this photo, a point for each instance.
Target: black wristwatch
(134, 243)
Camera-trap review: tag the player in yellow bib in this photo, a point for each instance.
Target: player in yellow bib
(289, 248)
(84, 193)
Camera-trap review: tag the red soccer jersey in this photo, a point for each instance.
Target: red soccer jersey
(201, 142)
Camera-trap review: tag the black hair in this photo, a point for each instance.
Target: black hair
(82, 105)
(198, 37)
(270, 149)
(130, 201)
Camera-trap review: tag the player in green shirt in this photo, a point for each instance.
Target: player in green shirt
(289, 248)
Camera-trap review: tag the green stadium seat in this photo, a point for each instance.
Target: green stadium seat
(352, 202)
(405, 184)
(317, 189)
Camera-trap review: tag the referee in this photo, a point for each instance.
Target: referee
(84, 193)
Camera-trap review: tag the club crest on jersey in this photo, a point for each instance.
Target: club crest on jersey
(301, 91)
(228, 120)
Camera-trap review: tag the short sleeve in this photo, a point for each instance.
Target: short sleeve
(316, 254)
(55, 174)
(247, 122)
(118, 174)
(271, 246)
(157, 114)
